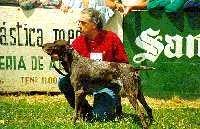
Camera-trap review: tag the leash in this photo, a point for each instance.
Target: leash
(58, 70)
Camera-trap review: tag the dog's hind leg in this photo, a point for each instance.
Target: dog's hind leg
(132, 91)
(133, 101)
(145, 105)
(143, 101)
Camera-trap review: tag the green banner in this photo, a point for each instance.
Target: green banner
(170, 42)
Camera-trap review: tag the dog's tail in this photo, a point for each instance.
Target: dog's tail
(143, 68)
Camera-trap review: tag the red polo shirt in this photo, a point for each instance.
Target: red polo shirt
(106, 42)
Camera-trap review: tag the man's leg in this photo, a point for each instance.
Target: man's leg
(117, 99)
(67, 89)
(104, 106)
(118, 105)
(107, 102)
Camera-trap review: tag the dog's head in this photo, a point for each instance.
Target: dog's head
(58, 50)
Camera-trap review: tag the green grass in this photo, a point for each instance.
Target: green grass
(53, 112)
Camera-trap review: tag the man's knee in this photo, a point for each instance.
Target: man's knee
(64, 84)
(61, 83)
(66, 88)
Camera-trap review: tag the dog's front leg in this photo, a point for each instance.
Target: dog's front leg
(79, 94)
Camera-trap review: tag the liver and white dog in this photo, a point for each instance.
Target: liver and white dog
(86, 74)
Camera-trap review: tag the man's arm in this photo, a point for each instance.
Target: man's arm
(142, 4)
(119, 51)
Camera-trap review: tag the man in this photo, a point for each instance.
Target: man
(97, 44)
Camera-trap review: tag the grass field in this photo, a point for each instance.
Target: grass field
(42, 111)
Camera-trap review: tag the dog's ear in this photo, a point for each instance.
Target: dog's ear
(61, 42)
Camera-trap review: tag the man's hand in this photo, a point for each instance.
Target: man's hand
(119, 7)
(115, 5)
(64, 8)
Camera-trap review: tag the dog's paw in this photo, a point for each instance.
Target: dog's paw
(74, 119)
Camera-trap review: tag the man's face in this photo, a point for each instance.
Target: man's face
(86, 25)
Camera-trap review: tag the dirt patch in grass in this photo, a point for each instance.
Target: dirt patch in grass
(175, 102)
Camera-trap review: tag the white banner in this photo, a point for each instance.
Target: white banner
(23, 64)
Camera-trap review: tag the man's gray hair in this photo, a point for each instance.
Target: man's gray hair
(95, 16)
